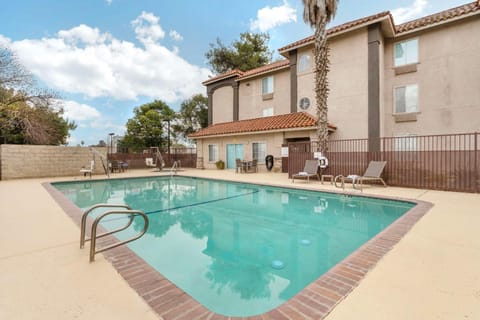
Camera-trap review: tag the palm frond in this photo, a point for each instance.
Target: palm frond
(316, 11)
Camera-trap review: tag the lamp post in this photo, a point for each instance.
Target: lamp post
(111, 134)
(168, 139)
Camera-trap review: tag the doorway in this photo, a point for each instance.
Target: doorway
(234, 151)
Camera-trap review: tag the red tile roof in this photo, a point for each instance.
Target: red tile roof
(226, 75)
(440, 17)
(284, 121)
(339, 28)
(264, 69)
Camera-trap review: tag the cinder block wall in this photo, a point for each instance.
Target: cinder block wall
(28, 161)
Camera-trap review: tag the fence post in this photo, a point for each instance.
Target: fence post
(476, 163)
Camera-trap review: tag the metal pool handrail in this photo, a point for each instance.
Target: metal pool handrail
(173, 170)
(89, 210)
(97, 221)
(93, 234)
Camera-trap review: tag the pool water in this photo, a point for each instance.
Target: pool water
(239, 249)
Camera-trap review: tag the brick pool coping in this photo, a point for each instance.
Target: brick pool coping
(315, 301)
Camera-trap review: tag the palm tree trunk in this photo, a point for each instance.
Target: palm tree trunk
(321, 53)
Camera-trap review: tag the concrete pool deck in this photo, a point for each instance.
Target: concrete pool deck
(431, 273)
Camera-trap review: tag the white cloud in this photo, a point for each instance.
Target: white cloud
(415, 10)
(271, 17)
(175, 35)
(147, 28)
(4, 41)
(109, 2)
(103, 125)
(83, 34)
(87, 61)
(78, 111)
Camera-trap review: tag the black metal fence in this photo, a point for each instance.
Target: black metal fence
(186, 156)
(441, 162)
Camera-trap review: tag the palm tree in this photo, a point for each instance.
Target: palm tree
(317, 13)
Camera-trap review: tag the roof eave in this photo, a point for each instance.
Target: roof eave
(433, 25)
(228, 75)
(330, 129)
(241, 78)
(387, 27)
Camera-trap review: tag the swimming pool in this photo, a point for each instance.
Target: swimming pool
(240, 249)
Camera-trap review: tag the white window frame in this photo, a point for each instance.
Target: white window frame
(262, 157)
(408, 59)
(304, 63)
(407, 109)
(269, 87)
(215, 146)
(267, 112)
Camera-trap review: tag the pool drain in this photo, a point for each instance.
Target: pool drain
(277, 264)
(305, 242)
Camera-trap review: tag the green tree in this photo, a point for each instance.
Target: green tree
(193, 115)
(317, 13)
(28, 115)
(148, 127)
(249, 52)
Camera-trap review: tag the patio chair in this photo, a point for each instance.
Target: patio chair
(240, 166)
(123, 165)
(252, 166)
(310, 170)
(88, 170)
(373, 173)
(114, 166)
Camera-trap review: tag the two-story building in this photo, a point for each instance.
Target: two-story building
(417, 78)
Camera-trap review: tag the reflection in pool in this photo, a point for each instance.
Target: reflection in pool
(239, 249)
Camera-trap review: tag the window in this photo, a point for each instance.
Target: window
(303, 63)
(406, 143)
(258, 151)
(212, 152)
(268, 112)
(406, 52)
(406, 99)
(267, 85)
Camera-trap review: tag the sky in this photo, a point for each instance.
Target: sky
(106, 57)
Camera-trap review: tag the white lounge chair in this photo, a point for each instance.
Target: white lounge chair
(88, 170)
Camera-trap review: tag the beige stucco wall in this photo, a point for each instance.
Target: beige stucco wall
(448, 78)
(251, 103)
(273, 143)
(348, 83)
(306, 81)
(27, 161)
(222, 105)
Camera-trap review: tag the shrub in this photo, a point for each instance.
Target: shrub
(220, 164)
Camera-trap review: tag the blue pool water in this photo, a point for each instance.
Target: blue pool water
(239, 249)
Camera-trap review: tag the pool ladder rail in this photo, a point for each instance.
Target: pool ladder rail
(175, 167)
(126, 210)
